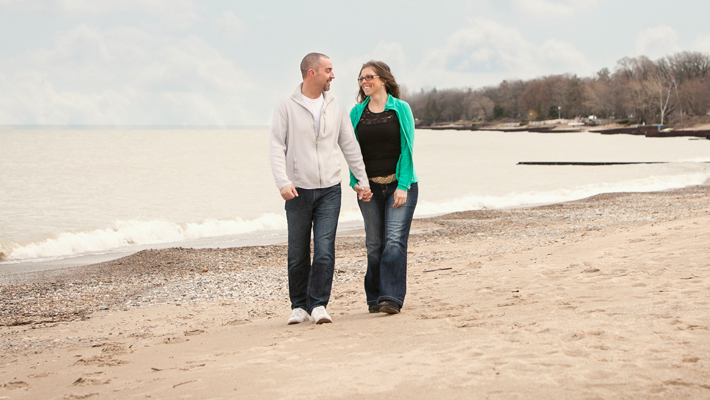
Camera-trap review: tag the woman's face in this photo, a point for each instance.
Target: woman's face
(373, 85)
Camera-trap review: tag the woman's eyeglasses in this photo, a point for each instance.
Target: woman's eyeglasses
(367, 78)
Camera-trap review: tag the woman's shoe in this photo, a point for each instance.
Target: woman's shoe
(389, 307)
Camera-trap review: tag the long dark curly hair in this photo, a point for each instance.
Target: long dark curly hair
(383, 70)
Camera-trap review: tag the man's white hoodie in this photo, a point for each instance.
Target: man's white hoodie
(308, 159)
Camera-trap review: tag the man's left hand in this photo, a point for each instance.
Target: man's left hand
(363, 193)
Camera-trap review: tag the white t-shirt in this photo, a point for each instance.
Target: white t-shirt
(315, 106)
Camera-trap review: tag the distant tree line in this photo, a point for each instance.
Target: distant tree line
(638, 89)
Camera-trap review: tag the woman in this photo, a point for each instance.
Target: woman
(384, 126)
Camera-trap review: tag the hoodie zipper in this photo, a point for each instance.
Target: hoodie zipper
(320, 173)
(318, 163)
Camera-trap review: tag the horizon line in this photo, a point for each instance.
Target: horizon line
(111, 126)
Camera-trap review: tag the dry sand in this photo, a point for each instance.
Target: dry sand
(607, 297)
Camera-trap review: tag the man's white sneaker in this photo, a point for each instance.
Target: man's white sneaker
(298, 315)
(320, 316)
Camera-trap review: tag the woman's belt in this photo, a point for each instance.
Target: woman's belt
(383, 180)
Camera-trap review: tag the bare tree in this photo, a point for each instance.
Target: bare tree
(636, 94)
(692, 73)
(480, 105)
(664, 83)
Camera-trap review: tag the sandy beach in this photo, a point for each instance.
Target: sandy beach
(606, 297)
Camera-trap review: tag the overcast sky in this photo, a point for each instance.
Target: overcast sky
(221, 62)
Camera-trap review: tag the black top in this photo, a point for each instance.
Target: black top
(380, 142)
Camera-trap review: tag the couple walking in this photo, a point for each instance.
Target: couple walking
(377, 143)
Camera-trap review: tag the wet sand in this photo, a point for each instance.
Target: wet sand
(606, 297)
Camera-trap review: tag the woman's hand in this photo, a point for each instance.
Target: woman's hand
(400, 197)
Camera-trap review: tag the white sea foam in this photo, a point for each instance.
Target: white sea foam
(511, 200)
(130, 233)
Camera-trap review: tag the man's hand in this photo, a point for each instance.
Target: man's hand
(363, 193)
(288, 192)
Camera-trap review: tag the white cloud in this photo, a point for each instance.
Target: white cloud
(553, 8)
(231, 26)
(125, 76)
(657, 42)
(175, 13)
(483, 46)
(561, 56)
(489, 50)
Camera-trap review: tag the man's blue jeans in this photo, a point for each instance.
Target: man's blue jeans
(386, 236)
(309, 283)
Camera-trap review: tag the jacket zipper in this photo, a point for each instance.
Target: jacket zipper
(320, 174)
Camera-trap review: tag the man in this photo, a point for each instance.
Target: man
(306, 130)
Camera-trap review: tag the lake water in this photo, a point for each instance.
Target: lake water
(69, 197)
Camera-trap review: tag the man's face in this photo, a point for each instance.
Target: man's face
(324, 74)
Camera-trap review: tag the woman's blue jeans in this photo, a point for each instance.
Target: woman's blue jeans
(386, 236)
(309, 283)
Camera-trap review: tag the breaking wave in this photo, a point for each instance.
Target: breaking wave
(125, 234)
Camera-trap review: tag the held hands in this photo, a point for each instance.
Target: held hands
(363, 193)
(288, 192)
(400, 197)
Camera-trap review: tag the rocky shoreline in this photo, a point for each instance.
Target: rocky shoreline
(700, 132)
(256, 278)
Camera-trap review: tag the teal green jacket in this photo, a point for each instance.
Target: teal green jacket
(405, 166)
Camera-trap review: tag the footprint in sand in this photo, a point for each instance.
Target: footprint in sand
(572, 336)
(174, 340)
(39, 375)
(105, 360)
(90, 382)
(192, 366)
(564, 305)
(72, 396)
(112, 348)
(237, 322)
(16, 385)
